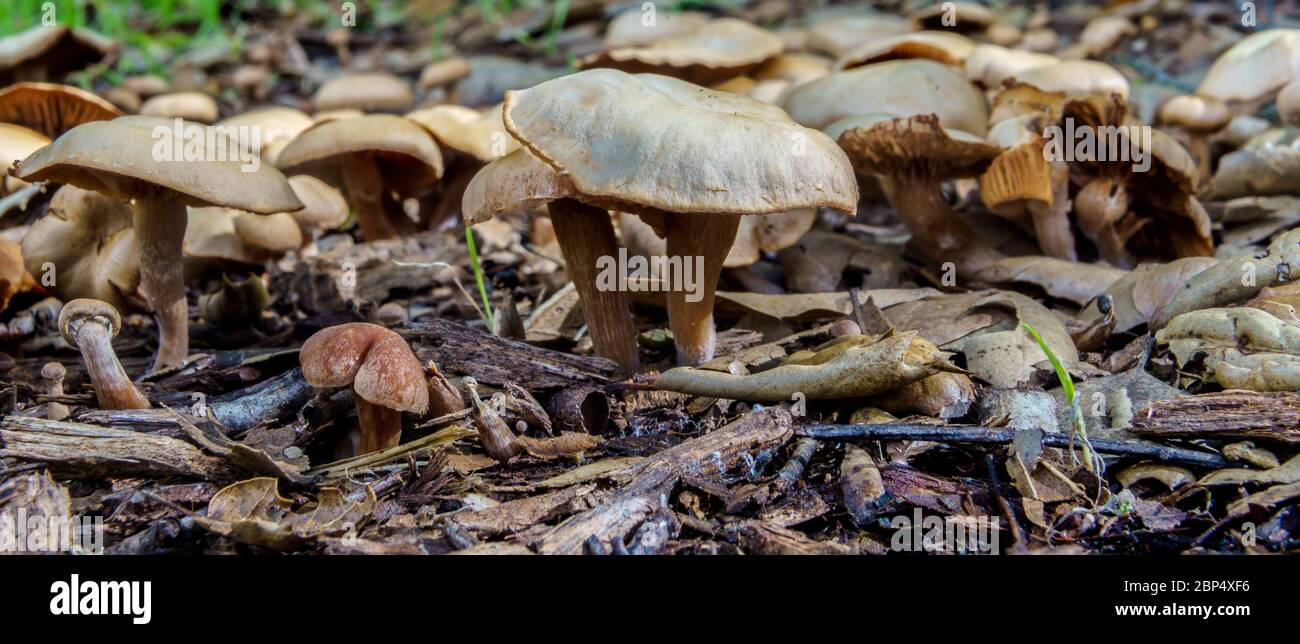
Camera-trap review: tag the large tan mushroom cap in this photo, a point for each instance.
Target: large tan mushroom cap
(191, 106)
(406, 153)
(756, 234)
(646, 142)
(840, 35)
(516, 182)
(370, 92)
(16, 144)
(375, 361)
(482, 134)
(901, 87)
(89, 240)
(940, 46)
(966, 17)
(1195, 113)
(989, 65)
(916, 145)
(1255, 67)
(58, 49)
(276, 125)
(128, 162)
(52, 109)
(1075, 76)
(718, 50)
(630, 28)
(1288, 104)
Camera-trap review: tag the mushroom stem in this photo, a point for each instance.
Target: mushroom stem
(378, 427)
(690, 310)
(1099, 207)
(52, 374)
(366, 190)
(113, 389)
(1052, 223)
(160, 230)
(1200, 149)
(586, 234)
(937, 231)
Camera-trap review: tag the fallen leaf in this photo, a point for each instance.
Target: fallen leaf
(254, 513)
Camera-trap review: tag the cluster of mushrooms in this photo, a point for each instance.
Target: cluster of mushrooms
(691, 136)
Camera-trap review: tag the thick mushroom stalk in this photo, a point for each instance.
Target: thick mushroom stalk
(366, 188)
(90, 325)
(690, 306)
(160, 230)
(937, 232)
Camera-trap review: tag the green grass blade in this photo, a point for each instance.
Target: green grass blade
(489, 316)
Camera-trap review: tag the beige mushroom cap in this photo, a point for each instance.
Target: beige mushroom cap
(191, 106)
(369, 92)
(1102, 32)
(375, 361)
(967, 17)
(276, 125)
(794, 68)
(147, 85)
(989, 65)
(323, 206)
(89, 239)
(1195, 113)
(1288, 103)
(940, 46)
(717, 50)
(60, 49)
(916, 145)
(1255, 67)
(1019, 99)
(840, 35)
(1075, 76)
(713, 152)
(900, 87)
(443, 72)
(517, 182)
(629, 29)
(407, 154)
(16, 143)
(129, 162)
(14, 278)
(52, 109)
(482, 134)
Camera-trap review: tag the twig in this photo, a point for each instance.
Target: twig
(995, 485)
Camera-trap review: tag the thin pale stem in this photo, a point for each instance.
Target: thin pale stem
(112, 387)
(700, 242)
(160, 230)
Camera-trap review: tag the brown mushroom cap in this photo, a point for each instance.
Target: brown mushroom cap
(323, 206)
(443, 72)
(59, 49)
(968, 17)
(900, 87)
(118, 159)
(482, 134)
(375, 361)
(714, 153)
(89, 239)
(79, 310)
(1195, 113)
(52, 109)
(147, 85)
(989, 65)
(191, 106)
(940, 46)
(1075, 76)
(1255, 67)
(627, 29)
(1021, 174)
(1019, 99)
(1102, 32)
(407, 154)
(369, 92)
(1288, 103)
(915, 145)
(278, 233)
(718, 50)
(277, 126)
(794, 68)
(840, 35)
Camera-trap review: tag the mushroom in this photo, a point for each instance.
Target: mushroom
(277, 126)
(135, 162)
(385, 376)
(146, 85)
(989, 65)
(1023, 184)
(191, 106)
(1288, 103)
(324, 208)
(90, 326)
(629, 28)
(52, 375)
(718, 50)
(839, 35)
(735, 157)
(1101, 34)
(899, 87)
(756, 234)
(443, 72)
(794, 68)
(377, 155)
(14, 278)
(940, 46)
(226, 235)
(480, 135)
(52, 109)
(1254, 68)
(961, 17)
(16, 143)
(912, 157)
(1075, 76)
(49, 52)
(87, 238)
(1199, 117)
(369, 92)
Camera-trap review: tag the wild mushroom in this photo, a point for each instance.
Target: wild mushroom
(385, 377)
(629, 28)
(44, 53)
(52, 109)
(470, 138)
(14, 278)
(369, 92)
(191, 106)
(899, 87)
(1254, 68)
(278, 126)
(718, 50)
(442, 73)
(839, 35)
(1199, 117)
(16, 143)
(376, 154)
(52, 375)
(229, 235)
(1288, 104)
(940, 46)
(90, 326)
(989, 65)
(88, 240)
(139, 163)
(324, 208)
(737, 157)
(1025, 185)
(1075, 76)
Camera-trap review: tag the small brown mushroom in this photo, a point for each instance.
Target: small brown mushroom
(385, 376)
(369, 92)
(1254, 68)
(443, 72)
(52, 109)
(717, 50)
(52, 375)
(48, 52)
(1199, 117)
(90, 326)
(278, 126)
(191, 106)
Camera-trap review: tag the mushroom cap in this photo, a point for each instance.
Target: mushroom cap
(123, 160)
(146, 85)
(59, 48)
(1101, 33)
(52, 109)
(1195, 113)
(443, 72)
(917, 146)
(940, 46)
(54, 371)
(1255, 67)
(1022, 173)
(407, 154)
(839, 35)
(482, 134)
(232, 235)
(628, 30)
(517, 182)
(968, 17)
(1075, 76)
(794, 67)
(899, 87)
(82, 309)
(275, 125)
(375, 361)
(1288, 103)
(323, 206)
(1019, 99)
(14, 278)
(191, 106)
(717, 50)
(369, 92)
(16, 144)
(756, 234)
(90, 240)
(713, 152)
(989, 65)
(277, 233)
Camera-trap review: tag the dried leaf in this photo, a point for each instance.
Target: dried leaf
(1077, 282)
(254, 513)
(1243, 348)
(566, 444)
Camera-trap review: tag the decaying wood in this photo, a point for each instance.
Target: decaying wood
(760, 537)
(709, 455)
(861, 486)
(82, 451)
(1227, 415)
(496, 361)
(520, 514)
